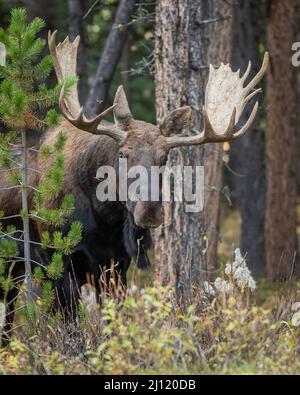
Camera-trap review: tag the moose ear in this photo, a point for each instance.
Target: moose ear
(122, 113)
(177, 121)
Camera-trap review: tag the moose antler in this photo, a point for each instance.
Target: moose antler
(64, 57)
(225, 100)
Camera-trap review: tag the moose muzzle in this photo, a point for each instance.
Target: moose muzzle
(148, 214)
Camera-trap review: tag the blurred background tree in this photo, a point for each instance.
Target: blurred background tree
(245, 170)
(281, 148)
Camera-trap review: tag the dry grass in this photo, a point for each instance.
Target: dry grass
(144, 332)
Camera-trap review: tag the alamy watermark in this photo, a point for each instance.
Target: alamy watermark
(296, 55)
(2, 54)
(159, 183)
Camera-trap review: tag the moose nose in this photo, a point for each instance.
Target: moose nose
(148, 215)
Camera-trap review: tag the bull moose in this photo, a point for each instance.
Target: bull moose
(111, 230)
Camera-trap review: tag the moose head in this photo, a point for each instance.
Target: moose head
(148, 145)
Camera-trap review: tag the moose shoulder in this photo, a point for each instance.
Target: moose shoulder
(119, 232)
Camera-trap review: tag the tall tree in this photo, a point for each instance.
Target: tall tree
(280, 227)
(247, 154)
(110, 55)
(189, 36)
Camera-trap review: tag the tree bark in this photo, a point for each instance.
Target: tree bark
(110, 55)
(280, 227)
(77, 27)
(247, 154)
(188, 38)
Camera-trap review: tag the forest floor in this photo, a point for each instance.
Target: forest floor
(234, 330)
(144, 334)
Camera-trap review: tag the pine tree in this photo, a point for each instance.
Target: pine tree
(23, 98)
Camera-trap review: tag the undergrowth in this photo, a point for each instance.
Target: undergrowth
(225, 331)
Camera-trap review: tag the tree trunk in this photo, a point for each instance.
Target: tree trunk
(280, 228)
(247, 154)
(25, 215)
(188, 38)
(110, 55)
(77, 27)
